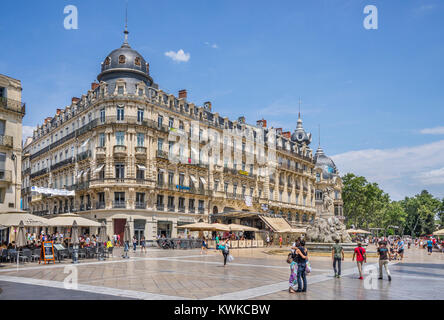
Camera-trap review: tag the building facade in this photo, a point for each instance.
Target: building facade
(12, 111)
(129, 151)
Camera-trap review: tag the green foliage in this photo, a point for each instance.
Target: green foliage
(367, 206)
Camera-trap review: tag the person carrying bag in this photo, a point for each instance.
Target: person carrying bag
(226, 251)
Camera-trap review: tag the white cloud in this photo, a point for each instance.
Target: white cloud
(436, 130)
(179, 56)
(401, 171)
(214, 45)
(27, 131)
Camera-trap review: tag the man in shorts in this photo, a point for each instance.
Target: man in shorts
(401, 248)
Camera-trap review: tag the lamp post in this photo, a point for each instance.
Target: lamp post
(14, 158)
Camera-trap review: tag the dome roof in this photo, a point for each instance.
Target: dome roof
(325, 163)
(125, 63)
(299, 135)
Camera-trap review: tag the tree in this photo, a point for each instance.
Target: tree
(421, 212)
(353, 197)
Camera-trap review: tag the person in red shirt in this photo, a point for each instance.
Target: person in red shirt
(361, 258)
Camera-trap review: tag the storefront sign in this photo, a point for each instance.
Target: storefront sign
(47, 252)
(245, 173)
(182, 187)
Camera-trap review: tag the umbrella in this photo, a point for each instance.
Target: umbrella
(221, 227)
(127, 233)
(356, 231)
(67, 219)
(239, 227)
(102, 234)
(439, 233)
(13, 219)
(21, 238)
(75, 233)
(292, 230)
(199, 226)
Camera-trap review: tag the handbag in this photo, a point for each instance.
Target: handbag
(307, 267)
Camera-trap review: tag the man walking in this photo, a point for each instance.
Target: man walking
(384, 259)
(337, 255)
(430, 246)
(361, 258)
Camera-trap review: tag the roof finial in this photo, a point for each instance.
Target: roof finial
(299, 114)
(126, 24)
(319, 135)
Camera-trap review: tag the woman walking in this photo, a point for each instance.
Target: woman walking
(301, 260)
(134, 243)
(226, 250)
(204, 245)
(143, 244)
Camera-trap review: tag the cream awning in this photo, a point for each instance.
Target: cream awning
(67, 219)
(221, 227)
(141, 167)
(202, 180)
(12, 219)
(358, 231)
(278, 224)
(439, 233)
(239, 227)
(293, 230)
(193, 178)
(200, 226)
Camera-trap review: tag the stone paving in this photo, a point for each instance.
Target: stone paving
(187, 274)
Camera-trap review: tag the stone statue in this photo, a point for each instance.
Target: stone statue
(328, 200)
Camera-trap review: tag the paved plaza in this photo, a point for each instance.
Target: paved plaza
(186, 274)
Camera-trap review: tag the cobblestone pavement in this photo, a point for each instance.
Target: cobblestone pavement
(187, 274)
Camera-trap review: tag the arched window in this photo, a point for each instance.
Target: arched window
(107, 61)
(137, 61)
(122, 59)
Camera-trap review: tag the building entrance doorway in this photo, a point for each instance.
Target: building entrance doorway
(119, 228)
(164, 228)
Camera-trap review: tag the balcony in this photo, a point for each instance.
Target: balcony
(12, 105)
(182, 209)
(61, 163)
(171, 208)
(120, 151)
(119, 204)
(141, 152)
(100, 205)
(201, 210)
(100, 152)
(39, 173)
(5, 177)
(84, 155)
(162, 154)
(140, 205)
(6, 141)
(82, 185)
(160, 207)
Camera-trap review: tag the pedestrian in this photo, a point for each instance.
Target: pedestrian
(226, 250)
(401, 248)
(217, 241)
(268, 240)
(134, 243)
(430, 246)
(143, 244)
(292, 282)
(384, 259)
(204, 245)
(280, 241)
(361, 258)
(301, 260)
(337, 255)
(118, 240)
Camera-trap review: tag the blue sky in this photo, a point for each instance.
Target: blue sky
(377, 94)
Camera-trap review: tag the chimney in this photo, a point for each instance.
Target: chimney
(47, 119)
(58, 111)
(261, 123)
(207, 105)
(241, 119)
(94, 85)
(279, 131)
(287, 134)
(75, 100)
(182, 94)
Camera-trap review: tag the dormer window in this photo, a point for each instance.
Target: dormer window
(137, 61)
(147, 68)
(107, 61)
(122, 59)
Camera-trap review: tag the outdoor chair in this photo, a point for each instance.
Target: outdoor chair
(70, 252)
(82, 253)
(35, 254)
(25, 255)
(109, 252)
(4, 256)
(12, 255)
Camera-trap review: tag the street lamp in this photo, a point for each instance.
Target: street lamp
(14, 158)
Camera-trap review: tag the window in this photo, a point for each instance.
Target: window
(159, 120)
(160, 178)
(181, 203)
(120, 138)
(140, 197)
(191, 205)
(216, 185)
(234, 189)
(226, 187)
(181, 126)
(120, 114)
(140, 139)
(159, 201)
(170, 178)
(102, 116)
(170, 202)
(171, 122)
(101, 139)
(251, 191)
(181, 179)
(119, 197)
(201, 205)
(140, 92)
(159, 144)
(140, 174)
(139, 115)
(121, 59)
(243, 191)
(120, 171)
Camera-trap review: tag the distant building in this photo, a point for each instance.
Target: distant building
(12, 111)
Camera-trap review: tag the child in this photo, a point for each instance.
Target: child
(293, 281)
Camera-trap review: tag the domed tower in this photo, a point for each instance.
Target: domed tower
(328, 185)
(299, 135)
(125, 64)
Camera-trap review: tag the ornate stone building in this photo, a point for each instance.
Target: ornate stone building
(12, 111)
(120, 148)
